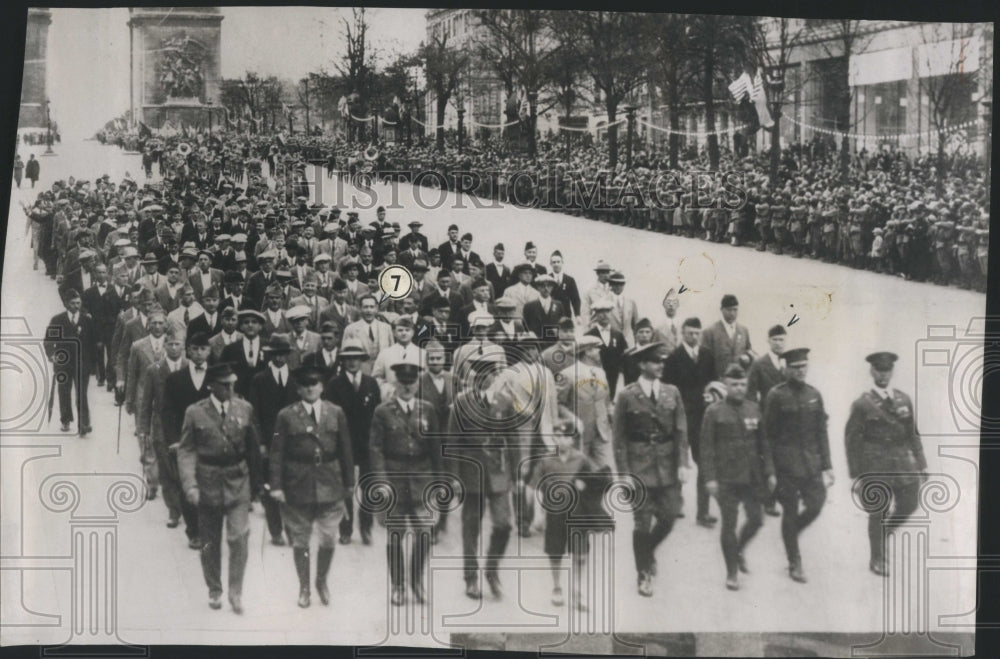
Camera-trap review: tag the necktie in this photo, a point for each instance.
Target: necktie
(280, 385)
(356, 381)
(223, 412)
(673, 330)
(314, 415)
(187, 316)
(652, 394)
(251, 355)
(371, 334)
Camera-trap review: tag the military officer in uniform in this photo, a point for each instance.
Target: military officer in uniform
(884, 450)
(795, 424)
(651, 446)
(405, 452)
(219, 463)
(311, 474)
(736, 462)
(478, 424)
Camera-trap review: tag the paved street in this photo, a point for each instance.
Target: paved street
(844, 315)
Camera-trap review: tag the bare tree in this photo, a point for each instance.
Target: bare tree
(519, 46)
(671, 72)
(772, 41)
(612, 55)
(357, 65)
(718, 45)
(946, 81)
(443, 68)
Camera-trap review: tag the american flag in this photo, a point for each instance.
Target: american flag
(741, 87)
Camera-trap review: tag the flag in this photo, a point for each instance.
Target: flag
(740, 87)
(759, 100)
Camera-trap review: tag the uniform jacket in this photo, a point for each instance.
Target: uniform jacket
(359, 406)
(650, 438)
(762, 376)
(725, 351)
(795, 423)
(881, 437)
(300, 443)
(205, 434)
(557, 358)
(405, 450)
(479, 444)
(733, 446)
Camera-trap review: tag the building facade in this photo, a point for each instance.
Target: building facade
(34, 97)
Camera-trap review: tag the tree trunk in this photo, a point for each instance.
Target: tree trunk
(532, 127)
(612, 109)
(442, 103)
(713, 139)
(775, 148)
(939, 182)
(673, 103)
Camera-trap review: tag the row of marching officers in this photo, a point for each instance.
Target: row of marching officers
(295, 437)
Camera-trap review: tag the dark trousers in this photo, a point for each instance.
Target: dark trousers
(419, 551)
(235, 516)
(364, 515)
(473, 509)
(170, 484)
(903, 490)
(661, 504)
(702, 498)
(731, 495)
(65, 382)
(272, 509)
(99, 363)
(812, 493)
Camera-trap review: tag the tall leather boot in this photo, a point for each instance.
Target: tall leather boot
(324, 556)
(238, 551)
(301, 556)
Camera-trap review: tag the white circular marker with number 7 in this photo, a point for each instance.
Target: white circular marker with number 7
(395, 282)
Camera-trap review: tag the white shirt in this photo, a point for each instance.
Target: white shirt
(157, 343)
(692, 352)
(508, 328)
(206, 280)
(312, 409)
(210, 318)
(605, 333)
(229, 338)
(546, 303)
(775, 359)
(330, 356)
(85, 278)
(730, 329)
(197, 376)
(884, 394)
(438, 381)
(407, 406)
(275, 316)
(73, 317)
(355, 379)
(220, 406)
(173, 365)
(280, 374)
(650, 385)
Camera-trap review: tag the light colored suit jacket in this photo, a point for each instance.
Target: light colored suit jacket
(218, 342)
(382, 368)
(663, 335)
(358, 331)
(140, 359)
(725, 350)
(624, 316)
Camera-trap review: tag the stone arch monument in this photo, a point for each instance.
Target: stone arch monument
(175, 64)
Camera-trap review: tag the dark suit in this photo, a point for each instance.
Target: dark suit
(236, 355)
(179, 393)
(245, 303)
(342, 320)
(359, 406)
(499, 279)
(692, 378)
(762, 377)
(612, 356)
(256, 286)
(447, 250)
(97, 306)
(72, 349)
(200, 324)
(455, 301)
(566, 292)
(508, 342)
(194, 279)
(267, 400)
(318, 359)
(447, 335)
(543, 324)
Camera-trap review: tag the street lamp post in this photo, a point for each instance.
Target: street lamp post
(776, 83)
(987, 105)
(630, 114)
(208, 104)
(48, 130)
(461, 129)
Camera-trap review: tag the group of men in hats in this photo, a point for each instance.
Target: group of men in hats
(259, 364)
